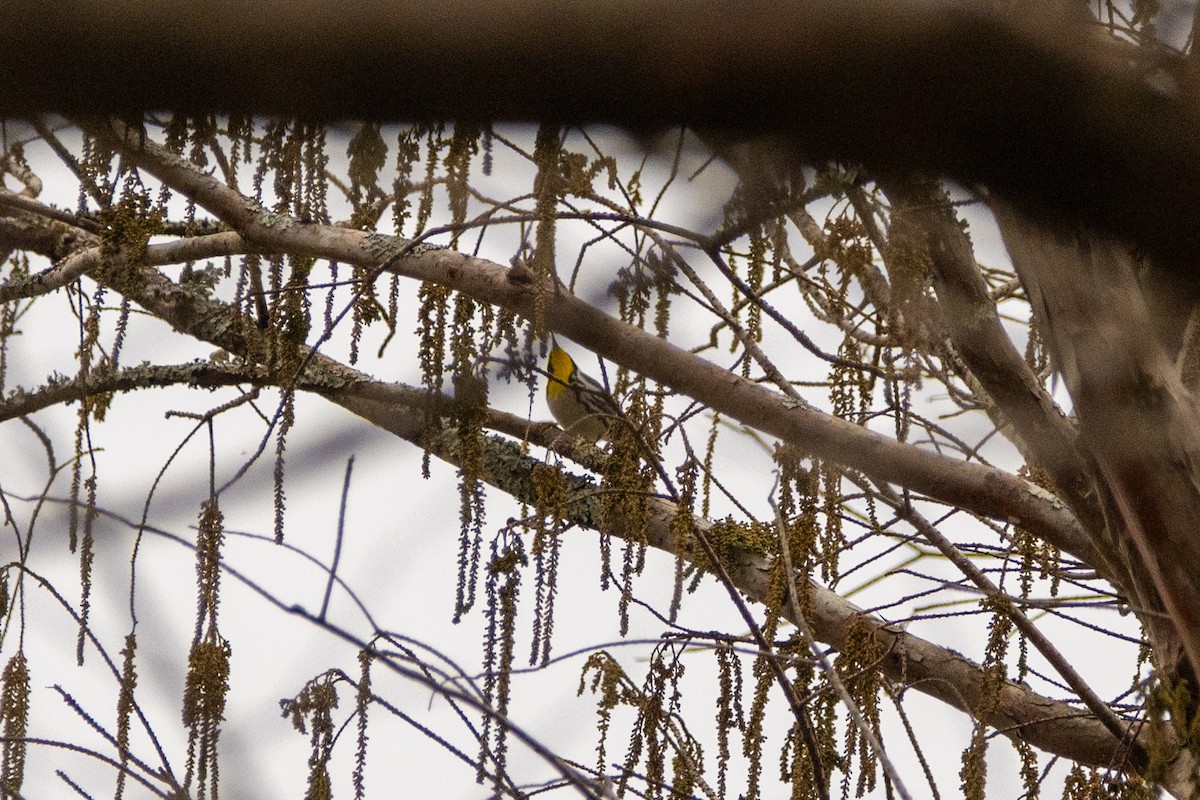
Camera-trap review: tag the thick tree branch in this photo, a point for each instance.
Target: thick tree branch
(920, 206)
(1043, 434)
(1038, 104)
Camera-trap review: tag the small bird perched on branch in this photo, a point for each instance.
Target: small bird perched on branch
(580, 404)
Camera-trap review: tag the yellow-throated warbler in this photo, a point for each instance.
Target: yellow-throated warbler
(579, 403)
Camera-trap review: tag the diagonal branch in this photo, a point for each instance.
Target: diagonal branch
(1043, 434)
(984, 490)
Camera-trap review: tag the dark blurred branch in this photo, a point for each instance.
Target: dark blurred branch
(1042, 106)
(1136, 418)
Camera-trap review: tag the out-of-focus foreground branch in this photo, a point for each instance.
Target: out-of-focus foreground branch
(1041, 106)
